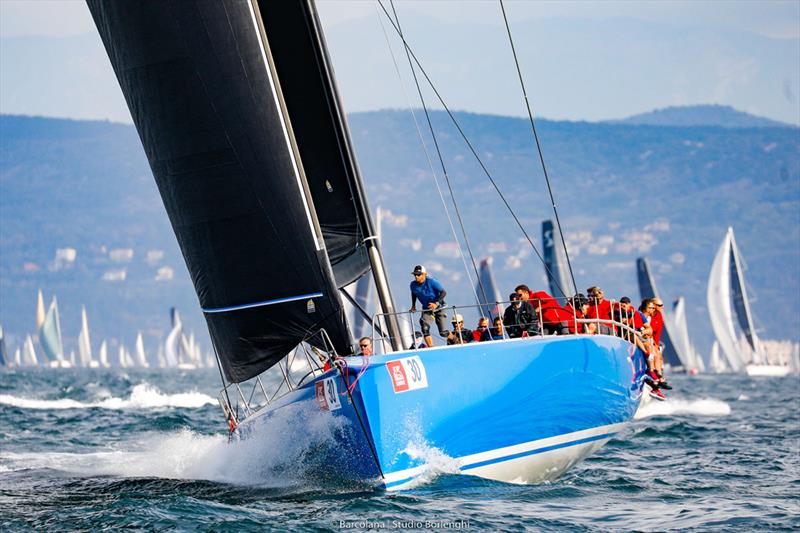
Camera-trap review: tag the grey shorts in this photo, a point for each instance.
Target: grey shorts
(426, 320)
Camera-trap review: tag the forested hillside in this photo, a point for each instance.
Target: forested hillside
(623, 190)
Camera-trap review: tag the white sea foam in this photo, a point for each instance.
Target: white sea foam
(279, 457)
(677, 406)
(143, 396)
(434, 461)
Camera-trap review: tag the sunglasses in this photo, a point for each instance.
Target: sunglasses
(364, 345)
(659, 305)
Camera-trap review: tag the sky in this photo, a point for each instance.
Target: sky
(581, 60)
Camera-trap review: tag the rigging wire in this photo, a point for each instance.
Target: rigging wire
(427, 155)
(471, 148)
(441, 159)
(538, 145)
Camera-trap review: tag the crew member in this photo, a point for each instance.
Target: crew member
(430, 294)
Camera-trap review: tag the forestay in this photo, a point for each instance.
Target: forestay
(203, 91)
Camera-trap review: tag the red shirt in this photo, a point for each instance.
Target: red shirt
(657, 323)
(602, 310)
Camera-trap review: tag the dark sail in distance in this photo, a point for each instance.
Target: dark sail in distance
(487, 287)
(200, 84)
(739, 297)
(647, 289)
(554, 262)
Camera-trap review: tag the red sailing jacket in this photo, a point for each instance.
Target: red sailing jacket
(552, 313)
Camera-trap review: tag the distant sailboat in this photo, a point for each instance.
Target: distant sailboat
(715, 362)
(4, 360)
(123, 359)
(39, 310)
(554, 261)
(488, 294)
(141, 357)
(727, 291)
(681, 329)
(84, 343)
(50, 338)
(104, 355)
(29, 353)
(673, 355)
(172, 344)
(17, 358)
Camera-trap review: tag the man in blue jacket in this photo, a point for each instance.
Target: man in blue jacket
(430, 294)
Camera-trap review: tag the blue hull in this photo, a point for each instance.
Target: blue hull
(521, 410)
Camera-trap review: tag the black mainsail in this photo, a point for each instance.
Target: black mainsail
(266, 242)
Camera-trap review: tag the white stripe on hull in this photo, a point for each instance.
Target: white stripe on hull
(530, 462)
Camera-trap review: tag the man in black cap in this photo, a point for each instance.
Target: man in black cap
(430, 294)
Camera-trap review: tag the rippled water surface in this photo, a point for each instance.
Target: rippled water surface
(91, 449)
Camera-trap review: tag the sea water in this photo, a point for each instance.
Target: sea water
(147, 449)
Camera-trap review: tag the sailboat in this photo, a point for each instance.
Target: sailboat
(85, 344)
(50, 338)
(141, 357)
(715, 361)
(29, 353)
(674, 356)
(4, 359)
(103, 356)
(726, 292)
(236, 106)
(554, 261)
(680, 328)
(486, 289)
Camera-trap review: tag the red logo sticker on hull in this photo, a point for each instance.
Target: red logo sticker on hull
(398, 374)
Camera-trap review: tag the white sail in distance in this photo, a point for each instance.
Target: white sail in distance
(141, 357)
(718, 298)
(103, 356)
(84, 343)
(39, 310)
(29, 353)
(172, 344)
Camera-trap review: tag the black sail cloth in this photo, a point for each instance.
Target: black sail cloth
(309, 90)
(196, 80)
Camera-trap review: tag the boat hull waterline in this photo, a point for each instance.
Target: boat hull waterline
(518, 411)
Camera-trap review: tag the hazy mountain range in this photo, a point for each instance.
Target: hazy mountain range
(623, 190)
